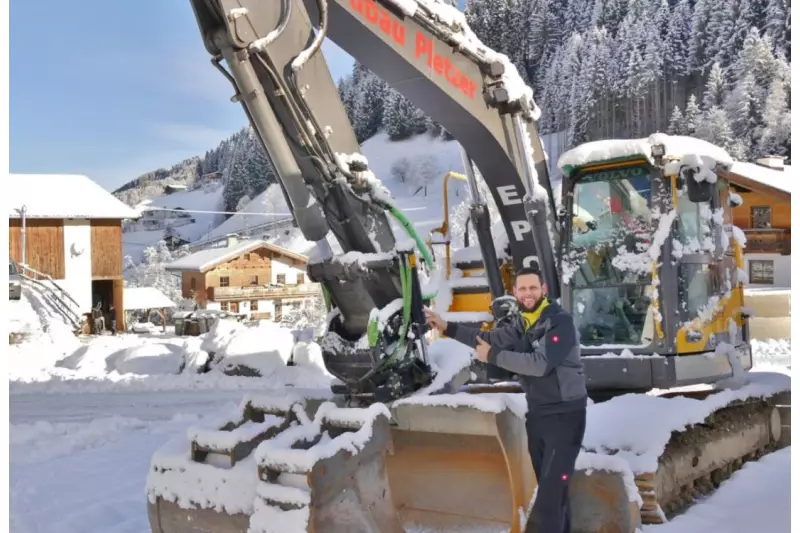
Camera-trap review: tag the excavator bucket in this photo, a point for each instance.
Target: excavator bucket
(447, 462)
(460, 466)
(300, 474)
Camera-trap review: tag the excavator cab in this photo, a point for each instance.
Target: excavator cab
(657, 272)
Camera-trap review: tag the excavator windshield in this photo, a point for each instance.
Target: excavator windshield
(612, 226)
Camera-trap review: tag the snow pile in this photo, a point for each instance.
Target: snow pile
(147, 359)
(771, 355)
(46, 336)
(263, 347)
(309, 354)
(641, 436)
(448, 358)
(124, 354)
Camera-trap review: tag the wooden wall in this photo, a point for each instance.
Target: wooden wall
(781, 211)
(239, 270)
(106, 249)
(199, 286)
(44, 244)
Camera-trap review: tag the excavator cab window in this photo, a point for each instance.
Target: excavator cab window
(611, 226)
(706, 266)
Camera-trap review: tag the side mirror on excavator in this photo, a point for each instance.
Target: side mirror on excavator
(699, 191)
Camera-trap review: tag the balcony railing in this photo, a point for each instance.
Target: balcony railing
(257, 292)
(768, 241)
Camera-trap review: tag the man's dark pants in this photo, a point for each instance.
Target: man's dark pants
(554, 441)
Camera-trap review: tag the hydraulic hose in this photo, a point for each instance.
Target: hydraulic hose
(412, 232)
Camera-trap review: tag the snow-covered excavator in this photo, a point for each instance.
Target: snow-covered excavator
(636, 248)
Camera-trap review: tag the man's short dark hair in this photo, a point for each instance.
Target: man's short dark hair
(527, 271)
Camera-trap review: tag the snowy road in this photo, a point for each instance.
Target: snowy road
(151, 406)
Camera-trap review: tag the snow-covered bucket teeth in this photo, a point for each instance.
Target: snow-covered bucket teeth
(261, 418)
(329, 475)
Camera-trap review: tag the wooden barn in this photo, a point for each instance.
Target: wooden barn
(72, 230)
(765, 219)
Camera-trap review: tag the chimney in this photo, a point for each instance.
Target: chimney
(232, 239)
(775, 162)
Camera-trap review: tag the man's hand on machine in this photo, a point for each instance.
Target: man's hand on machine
(434, 320)
(482, 349)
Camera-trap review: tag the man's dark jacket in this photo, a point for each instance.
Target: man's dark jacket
(546, 358)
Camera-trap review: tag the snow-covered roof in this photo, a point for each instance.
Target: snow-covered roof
(209, 258)
(145, 298)
(768, 177)
(676, 146)
(63, 196)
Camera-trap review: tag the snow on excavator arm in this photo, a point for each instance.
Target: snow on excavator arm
(425, 51)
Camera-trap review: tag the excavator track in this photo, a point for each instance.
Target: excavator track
(696, 461)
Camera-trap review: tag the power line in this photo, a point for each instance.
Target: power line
(213, 212)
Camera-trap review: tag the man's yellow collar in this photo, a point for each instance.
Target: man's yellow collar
(529, 318)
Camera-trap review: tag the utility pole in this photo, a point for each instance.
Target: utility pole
(22, 213)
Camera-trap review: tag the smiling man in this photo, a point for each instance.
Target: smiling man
(541, 346)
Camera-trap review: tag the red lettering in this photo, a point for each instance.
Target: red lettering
(371, 12)
(439, 65)
(447, 68)
(399, 33)
(386, 23)
(421, 45)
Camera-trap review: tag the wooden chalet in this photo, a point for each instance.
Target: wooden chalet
(765, 218)
(250, 277)
(73, 238)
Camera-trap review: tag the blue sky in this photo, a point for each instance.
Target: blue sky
(134, 91)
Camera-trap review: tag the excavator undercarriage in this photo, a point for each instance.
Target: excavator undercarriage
(403, 442)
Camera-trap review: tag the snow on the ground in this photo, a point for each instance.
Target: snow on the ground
(83, 431)
(47, 336)
(755, 498)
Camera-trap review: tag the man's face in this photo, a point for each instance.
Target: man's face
(528, 290)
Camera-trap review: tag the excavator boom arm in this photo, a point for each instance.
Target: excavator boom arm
(425, 51)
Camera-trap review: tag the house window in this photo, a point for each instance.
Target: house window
(761, 217)
(300, 278)
(282, 278)
(223, 306)
(762, 272)
(193, 283)
(253, 305)
(224, 281)
(253, 280)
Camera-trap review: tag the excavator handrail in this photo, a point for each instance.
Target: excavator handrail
(444, 229)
